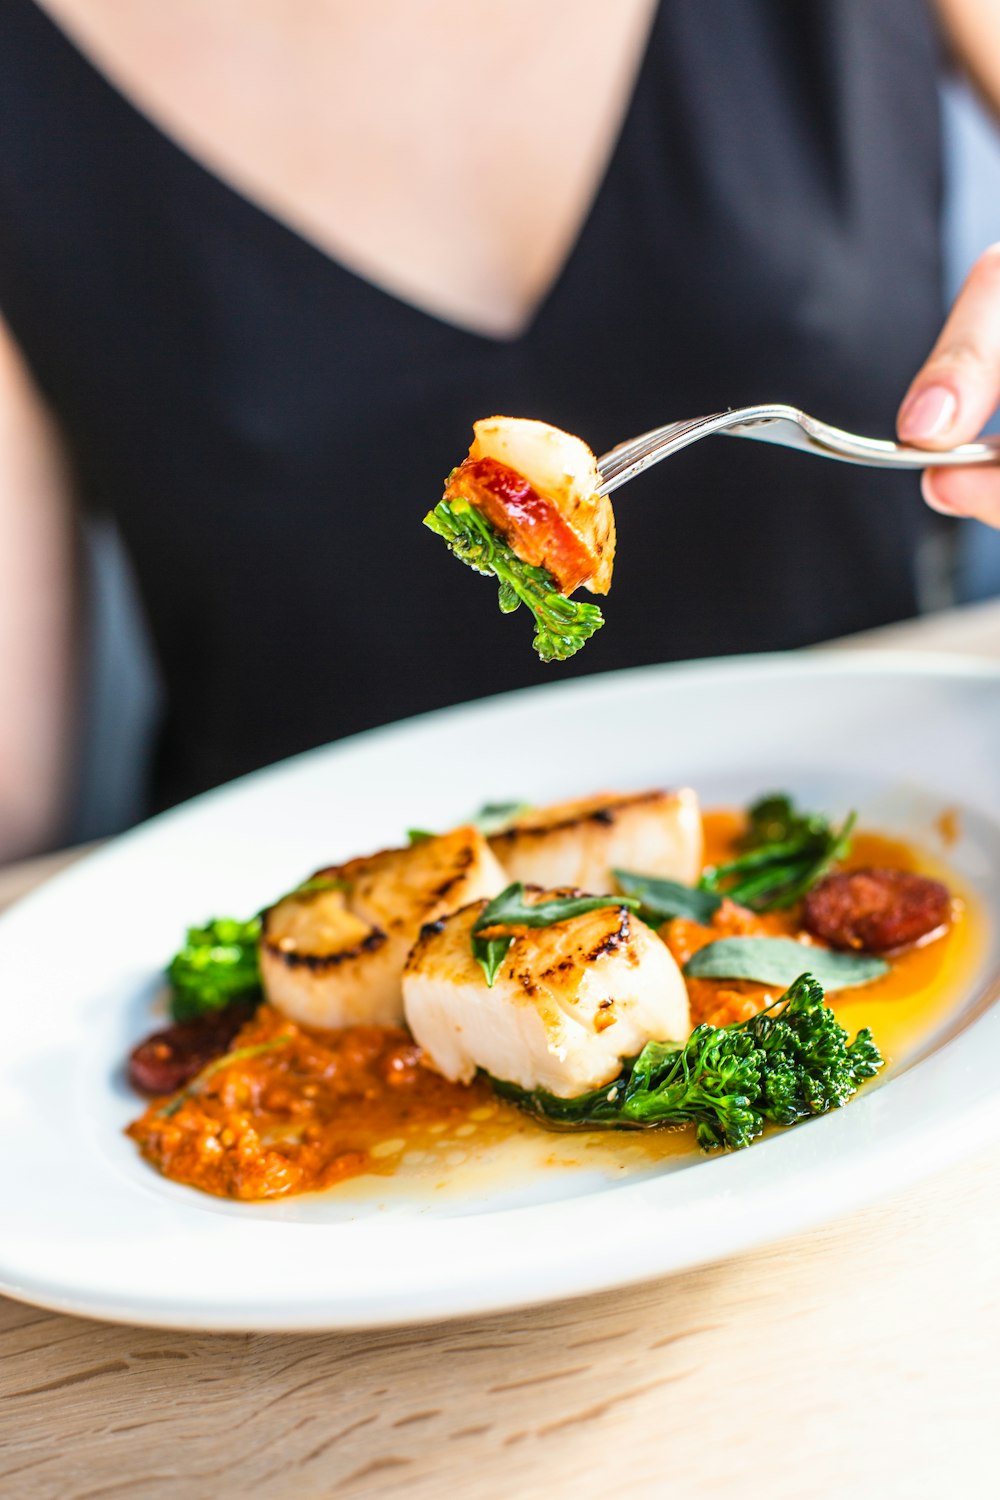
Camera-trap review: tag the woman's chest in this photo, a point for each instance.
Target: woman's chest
(448, 153)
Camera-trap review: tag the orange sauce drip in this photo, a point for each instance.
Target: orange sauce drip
(321, 1107)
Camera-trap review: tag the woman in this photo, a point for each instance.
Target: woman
(261, 266)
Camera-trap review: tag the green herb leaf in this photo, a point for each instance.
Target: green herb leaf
(774, 819)
(489, 954)
(785, 853)
(217, 964)
(510, 909)
(660, 900)
(779, 960)
(562, 625)
(493, 817)
(791, 1061)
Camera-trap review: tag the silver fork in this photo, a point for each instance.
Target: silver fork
(790, 428)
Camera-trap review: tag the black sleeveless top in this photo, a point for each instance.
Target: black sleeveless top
(267, 428)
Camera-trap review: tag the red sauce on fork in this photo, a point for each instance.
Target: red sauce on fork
(531, 523)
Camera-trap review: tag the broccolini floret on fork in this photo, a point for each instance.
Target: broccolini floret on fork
(524, 507)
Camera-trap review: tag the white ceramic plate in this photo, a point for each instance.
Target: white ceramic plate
(88, 1228)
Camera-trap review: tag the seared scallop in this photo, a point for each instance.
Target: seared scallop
(568, 1004)
(580, 843)
(332, 954)
(537, 486)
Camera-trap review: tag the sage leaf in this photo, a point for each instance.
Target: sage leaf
(494, 817)
(489, 954)
(781, 961)
(660, 900)
(509, 909)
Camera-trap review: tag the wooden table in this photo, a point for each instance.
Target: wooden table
(862, 1359)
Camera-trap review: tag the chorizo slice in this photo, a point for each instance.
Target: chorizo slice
(169, 1059)
(876, 910)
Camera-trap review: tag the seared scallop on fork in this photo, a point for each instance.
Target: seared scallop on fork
(579, 843)
(537, 486)
(332, 953)
(568, 1003)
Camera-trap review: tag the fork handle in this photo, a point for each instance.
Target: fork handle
(791, 428)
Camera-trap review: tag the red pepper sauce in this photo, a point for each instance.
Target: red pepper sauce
(306, 1110)
(531, 523)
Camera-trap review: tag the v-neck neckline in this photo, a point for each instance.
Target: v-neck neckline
(119, 98)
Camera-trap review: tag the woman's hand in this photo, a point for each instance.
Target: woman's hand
(956, 393)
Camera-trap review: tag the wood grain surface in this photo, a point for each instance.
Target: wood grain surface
(862, 1359)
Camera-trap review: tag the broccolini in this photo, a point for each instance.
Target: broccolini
(791, 1061)
(562, 625)
(217, 965)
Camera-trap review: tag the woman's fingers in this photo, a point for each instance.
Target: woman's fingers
(964, 492)
(957, 391)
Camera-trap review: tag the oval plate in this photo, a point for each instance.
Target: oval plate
(88, 1228)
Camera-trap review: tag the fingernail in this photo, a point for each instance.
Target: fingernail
(928, 413)
(929, 493)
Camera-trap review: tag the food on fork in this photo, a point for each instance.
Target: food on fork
(537, 486)
(525, 507)
(580, 843)
(332, 952)
(568, 1002)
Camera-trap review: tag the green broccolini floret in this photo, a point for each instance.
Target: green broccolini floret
(217, 965)
(791, 1061)
(562, 625)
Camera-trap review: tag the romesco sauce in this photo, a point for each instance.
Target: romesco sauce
(298, 1109)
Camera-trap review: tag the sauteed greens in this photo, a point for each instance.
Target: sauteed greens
(791, 1061)
(784, 853)
(562, 625)
(217, 965)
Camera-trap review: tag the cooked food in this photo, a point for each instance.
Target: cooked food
(216, 967)
(782, 853)
(524, 506)
(568, 1002)
(537, 486)
(789, 1061)
(170, 1058)
(291, 1109)
(332, 953)
(877, 911)
(580, 843)
(575, 1006)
